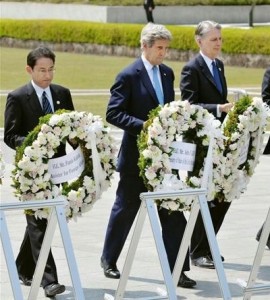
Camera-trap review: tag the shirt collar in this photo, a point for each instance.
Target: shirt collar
(207, 60)
(40, 90)
(147, 64)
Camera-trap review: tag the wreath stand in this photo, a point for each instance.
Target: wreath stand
(250, 287)
(57, 214)
(149, 206)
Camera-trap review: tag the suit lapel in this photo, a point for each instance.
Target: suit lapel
(33, 100)
(57, 101)
(205, 70)
(146, 81)
(208, 75)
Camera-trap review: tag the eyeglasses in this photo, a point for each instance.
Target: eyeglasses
(45, 71)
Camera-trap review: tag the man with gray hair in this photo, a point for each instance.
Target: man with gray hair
(133, 95)
(203, 83)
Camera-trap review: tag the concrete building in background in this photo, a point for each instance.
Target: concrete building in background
(175, 15)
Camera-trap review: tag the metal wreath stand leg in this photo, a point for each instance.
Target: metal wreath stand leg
(57, 215)
(148, 206)
(250, 287)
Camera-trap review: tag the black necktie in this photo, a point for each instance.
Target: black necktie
(216, 77)
(47, 109)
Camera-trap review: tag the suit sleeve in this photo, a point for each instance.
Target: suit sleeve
(266, 87)
(120, 111)
(69, 103)
(191, 87)
(61, 97)
(13, 122)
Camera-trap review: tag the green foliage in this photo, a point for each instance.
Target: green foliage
(72, 31)
(190, 136)
(81, 71)
(246, 41)
(236, 41)
(239, 108)
(32, 136)
(231, 127)
(183, 38)
(28, 141)
(142, 143)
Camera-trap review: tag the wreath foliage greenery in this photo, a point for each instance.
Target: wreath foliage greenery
(242, 131)
(31, 179)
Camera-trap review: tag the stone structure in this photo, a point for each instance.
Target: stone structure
(176, 15)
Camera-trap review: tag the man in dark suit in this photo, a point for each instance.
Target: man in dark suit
(149, 6)
(203, 83)
(266, 99)
(132, 98)
(24, 107)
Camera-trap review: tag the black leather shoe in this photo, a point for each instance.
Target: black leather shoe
(203, 262)
(110, 270)
(211, 257)
(53, 289)
(186, 282)
(25, 281)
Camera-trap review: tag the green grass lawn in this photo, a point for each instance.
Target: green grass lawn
(82, 71)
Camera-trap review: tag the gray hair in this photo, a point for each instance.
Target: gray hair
(152, 32)
(204, 27)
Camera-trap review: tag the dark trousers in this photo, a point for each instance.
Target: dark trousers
(267, 147)
(122, 216)
(259, 236)
(199, 242)
(149, 15)
(29, 251)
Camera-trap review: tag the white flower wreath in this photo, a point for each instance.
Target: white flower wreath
(176, 120)
(244, 128)
(31, 177)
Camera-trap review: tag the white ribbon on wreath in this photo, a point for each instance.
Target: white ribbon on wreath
(99, 175)
(193, 123)
(220, 172)
(32, 179)
(249, 134)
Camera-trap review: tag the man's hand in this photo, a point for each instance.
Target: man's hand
(225, 107)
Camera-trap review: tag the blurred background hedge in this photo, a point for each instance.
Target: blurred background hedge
(236, 40)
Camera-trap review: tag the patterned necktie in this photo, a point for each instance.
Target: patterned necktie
(47, 109)
(216, 77)
(157, 86)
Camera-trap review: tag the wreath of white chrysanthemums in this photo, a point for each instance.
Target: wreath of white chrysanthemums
(244, 128)
(175, 121)
(237, 145)
(31, 178)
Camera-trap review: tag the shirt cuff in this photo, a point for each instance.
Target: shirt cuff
(218, 112)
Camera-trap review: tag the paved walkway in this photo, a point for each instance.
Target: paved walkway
(236, 242)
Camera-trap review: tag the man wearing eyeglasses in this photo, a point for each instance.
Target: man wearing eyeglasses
(24, 107)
